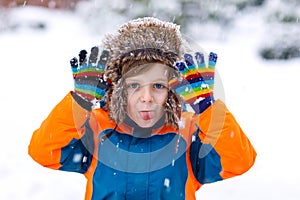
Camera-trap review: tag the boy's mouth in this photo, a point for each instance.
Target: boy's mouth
(146, 115)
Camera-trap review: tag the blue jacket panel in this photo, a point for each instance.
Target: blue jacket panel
(148, 168)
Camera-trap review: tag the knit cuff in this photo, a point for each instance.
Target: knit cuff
(82, 102)
(202, 105)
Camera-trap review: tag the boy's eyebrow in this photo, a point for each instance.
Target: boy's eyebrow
(154, 80)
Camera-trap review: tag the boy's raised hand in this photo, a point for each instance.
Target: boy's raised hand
(196, 84)
(88, 74)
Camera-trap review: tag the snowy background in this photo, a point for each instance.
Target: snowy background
(35, 76)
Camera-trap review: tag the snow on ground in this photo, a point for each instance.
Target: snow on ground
(35, 75)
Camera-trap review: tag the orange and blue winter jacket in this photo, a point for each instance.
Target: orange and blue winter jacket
(128, 162)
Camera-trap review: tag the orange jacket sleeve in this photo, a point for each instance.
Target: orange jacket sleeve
(63, 125)
(220, 129)
(223, 150)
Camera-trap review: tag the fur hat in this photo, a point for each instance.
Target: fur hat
(137, 42)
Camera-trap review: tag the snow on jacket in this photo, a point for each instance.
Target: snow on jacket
(119, 163)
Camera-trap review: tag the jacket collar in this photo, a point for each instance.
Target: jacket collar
(137, 131)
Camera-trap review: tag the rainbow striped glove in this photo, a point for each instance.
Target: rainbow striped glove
(89, 82)
(197, 81)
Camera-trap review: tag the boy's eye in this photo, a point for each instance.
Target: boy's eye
(133, 85)
(158, 86)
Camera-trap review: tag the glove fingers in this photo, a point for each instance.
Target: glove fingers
(189, 61)
(82, 57)
(103, 59)
(93, 56)
(74, 62)
(200, 60)
(197, 82)
(181, 67)
(74, 66)
(89, 80)
(212, 60)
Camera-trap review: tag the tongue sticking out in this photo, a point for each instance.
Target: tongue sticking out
(146, 115)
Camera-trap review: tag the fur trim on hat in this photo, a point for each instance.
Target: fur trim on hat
(144, 33)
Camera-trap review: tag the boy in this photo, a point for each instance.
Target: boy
(141, 143)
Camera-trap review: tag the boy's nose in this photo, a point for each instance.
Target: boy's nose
(146, 94)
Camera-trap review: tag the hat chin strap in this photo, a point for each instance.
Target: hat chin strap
(142, 132)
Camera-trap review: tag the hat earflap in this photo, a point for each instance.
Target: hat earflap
(173, 109)
(118, 102)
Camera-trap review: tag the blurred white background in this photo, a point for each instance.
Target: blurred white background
(37, 43)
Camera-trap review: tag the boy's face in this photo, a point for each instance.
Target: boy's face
(147, 93)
